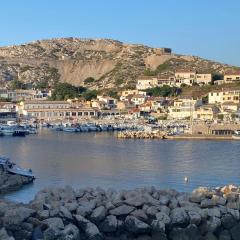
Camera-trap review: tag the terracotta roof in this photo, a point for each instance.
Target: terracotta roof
(236, 72)
(146, 77)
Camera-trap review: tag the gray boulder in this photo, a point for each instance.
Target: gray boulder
(70, 232)
(90, 229)
(140, 214)
(179, 217)
(134, 225)
(65, 213)
(228, 221)
(98, 214)
(109, 225)
(235, 232)
(122, 210)
(54, 223)
(163, 217)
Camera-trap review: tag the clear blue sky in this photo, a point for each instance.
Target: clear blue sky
(207, 28)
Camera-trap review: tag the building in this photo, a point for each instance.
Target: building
(203, 78)
(166, 80)
(185, 77)
(233, 76)
(24, 94)
(7, 112)
(127, 93)
(224, 95)
(183, 108)
(54, 110)
(109, 101)
(206, 112)
(138, 99)
(146, 82)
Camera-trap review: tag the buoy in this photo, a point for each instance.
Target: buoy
(186, 179)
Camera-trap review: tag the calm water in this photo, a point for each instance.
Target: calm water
(100, 159)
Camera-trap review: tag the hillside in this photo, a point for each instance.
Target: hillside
(109, 63)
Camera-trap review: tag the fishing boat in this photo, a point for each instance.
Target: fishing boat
(236, 135)
(7, 130)
(20, 171)
(70, 129)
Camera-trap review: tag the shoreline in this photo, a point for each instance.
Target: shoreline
(142, 213)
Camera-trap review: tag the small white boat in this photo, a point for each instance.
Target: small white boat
(21, 171)
(236, 135)
(7, 130)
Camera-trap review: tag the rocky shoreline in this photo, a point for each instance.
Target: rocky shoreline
(142, 214)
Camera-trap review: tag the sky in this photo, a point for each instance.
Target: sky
(205, 28)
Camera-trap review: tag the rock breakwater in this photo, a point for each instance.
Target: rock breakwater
(142, 214)
(142, 135)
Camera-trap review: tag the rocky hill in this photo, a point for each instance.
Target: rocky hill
(109, 63)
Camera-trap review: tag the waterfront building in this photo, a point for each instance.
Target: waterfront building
(232, 76)
(109, 101)
(7, 112)
(183, 108)
(54, 110)
(206, 112)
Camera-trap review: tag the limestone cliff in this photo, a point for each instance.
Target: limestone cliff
(111, 63)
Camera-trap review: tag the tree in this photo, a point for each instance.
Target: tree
(16, 84)
(90, 94)
(64, 91)
(164, 91)
(89, 80)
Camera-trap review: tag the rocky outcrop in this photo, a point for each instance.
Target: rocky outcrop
(9, 182)
(111, 63)
(144, 213)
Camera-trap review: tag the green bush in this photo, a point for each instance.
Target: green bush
(89, 80)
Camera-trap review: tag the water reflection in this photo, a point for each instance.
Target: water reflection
(100, 159)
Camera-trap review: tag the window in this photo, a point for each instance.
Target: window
(85, 113)
(67, 114)
(74, 114)
(91, 113)
(79, 113)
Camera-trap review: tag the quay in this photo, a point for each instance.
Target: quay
(199, 137)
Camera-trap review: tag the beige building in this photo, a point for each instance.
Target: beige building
(146, 82)
(185, 77)
(231, 77)
(166, 80)
(203, 78)
(183, 108)
(54, 110)
(225, 95)
(133, 92)
(206, 112)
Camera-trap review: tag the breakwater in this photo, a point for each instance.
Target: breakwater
(142, 135)
(143, 213)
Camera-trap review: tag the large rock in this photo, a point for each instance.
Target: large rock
(54, 223)
(4, 235)
(90, 229)
(17, 215)
(140, 214)
(163, 217)
(98, 214)
(179, 217)
(235, 232)
(122, 210)
(65, 213)
(70, 232)
(109, 225)
(134, 225)
(228, 221)
(158, 226)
